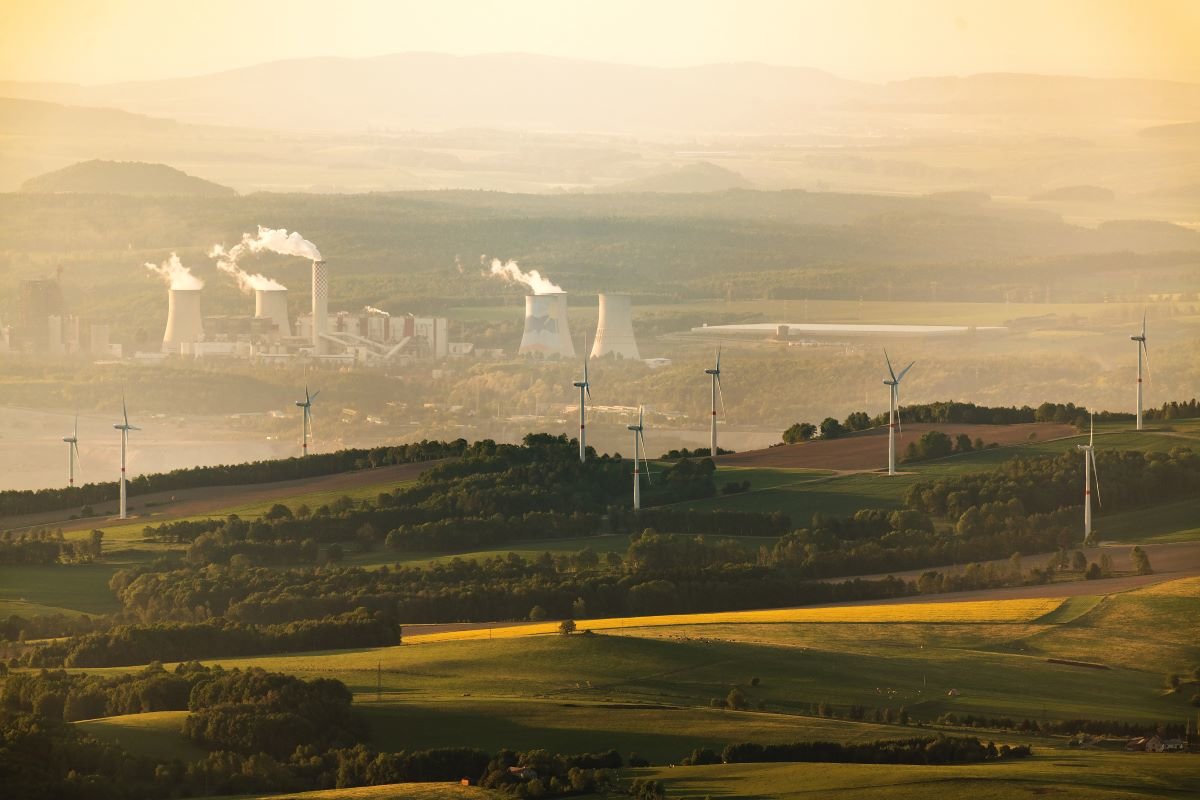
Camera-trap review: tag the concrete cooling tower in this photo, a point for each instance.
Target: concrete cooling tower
(183, 319)
(272, 304)
(546, 333)
(614, 331)
(320, 306)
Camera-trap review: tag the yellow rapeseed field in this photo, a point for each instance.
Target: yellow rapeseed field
(975, 611)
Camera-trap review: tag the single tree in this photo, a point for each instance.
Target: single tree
(566, 627)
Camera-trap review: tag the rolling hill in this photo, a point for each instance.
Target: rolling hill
(123, 177)
(514, 90)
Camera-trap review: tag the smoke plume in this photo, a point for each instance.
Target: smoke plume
(374, 310)
(512, 272)
(270, 239)
(176, 275)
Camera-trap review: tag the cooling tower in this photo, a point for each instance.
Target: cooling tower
(272, 304)
(320, 306)
(183, 319)
(614, 331)
(546, 332)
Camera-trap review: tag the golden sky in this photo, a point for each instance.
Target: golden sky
(97, 41)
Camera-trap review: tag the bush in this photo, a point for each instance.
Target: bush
(567, 627)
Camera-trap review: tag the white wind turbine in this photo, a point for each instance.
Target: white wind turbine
(893, 409)
(1089, 467)
(72, 452)
(639, 446)
(1142, 351)
(715, 372)
(306, 421)
(124, 427)
(583, 386)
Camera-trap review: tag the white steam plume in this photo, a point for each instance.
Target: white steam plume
(274, 240)
(176, 275)
(246, 281)
(374, 310)
(512, 272)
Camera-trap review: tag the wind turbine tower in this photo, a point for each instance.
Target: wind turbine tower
(124, 427)
(893, 409)
(639, 446)
(583, 386)
(715, 372)
(72, 452)
(1089, 467)
(306, 420)
(1142, 351)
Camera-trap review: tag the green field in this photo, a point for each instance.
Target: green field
(649, 690)
(1054, 772)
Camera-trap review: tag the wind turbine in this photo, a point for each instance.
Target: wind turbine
(1089, 467)
(639, 446)
(583, 386)
(894, 409)
(124, 427)
(72, 452)
(715, 372)
(306, 421)
(1142, 351)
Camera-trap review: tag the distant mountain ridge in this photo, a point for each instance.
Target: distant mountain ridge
(123, 177)
(700, 176)
(514, 91)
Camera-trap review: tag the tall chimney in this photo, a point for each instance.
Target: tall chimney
(320, 305)
(614, 331)
(272, 304)
(183, 319)
(546, 332)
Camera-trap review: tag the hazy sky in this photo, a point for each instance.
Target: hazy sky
(95, 41)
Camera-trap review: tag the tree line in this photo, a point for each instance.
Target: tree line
(13, 502)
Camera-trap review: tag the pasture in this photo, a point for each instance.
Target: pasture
(1054, 771)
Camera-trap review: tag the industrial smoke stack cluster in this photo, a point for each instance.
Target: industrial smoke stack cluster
(546, 332)
(614, 331)
(272, 304)
(183, 319)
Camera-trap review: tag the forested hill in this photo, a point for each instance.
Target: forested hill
(123, 177)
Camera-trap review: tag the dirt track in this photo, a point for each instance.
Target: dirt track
(208, 499)
(867, 450)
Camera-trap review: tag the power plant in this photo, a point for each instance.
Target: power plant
(614, 330)
(184, 323)
(271, 304)
(546, 332)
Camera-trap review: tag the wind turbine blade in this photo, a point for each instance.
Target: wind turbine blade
(124, 411)
(314, 395)
(1095, 475)
(1146, 354)
(641, 418)
(75, 435)
(721, 395)
(896, 404)
(891, 371)
(1091, 430)
(718, 358)
(904, 371)
(1143, 324)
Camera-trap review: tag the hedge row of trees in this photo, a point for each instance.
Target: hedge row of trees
(124, 645)
(42, 547)
(35, 501)
(926, 750)
(950, 411)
